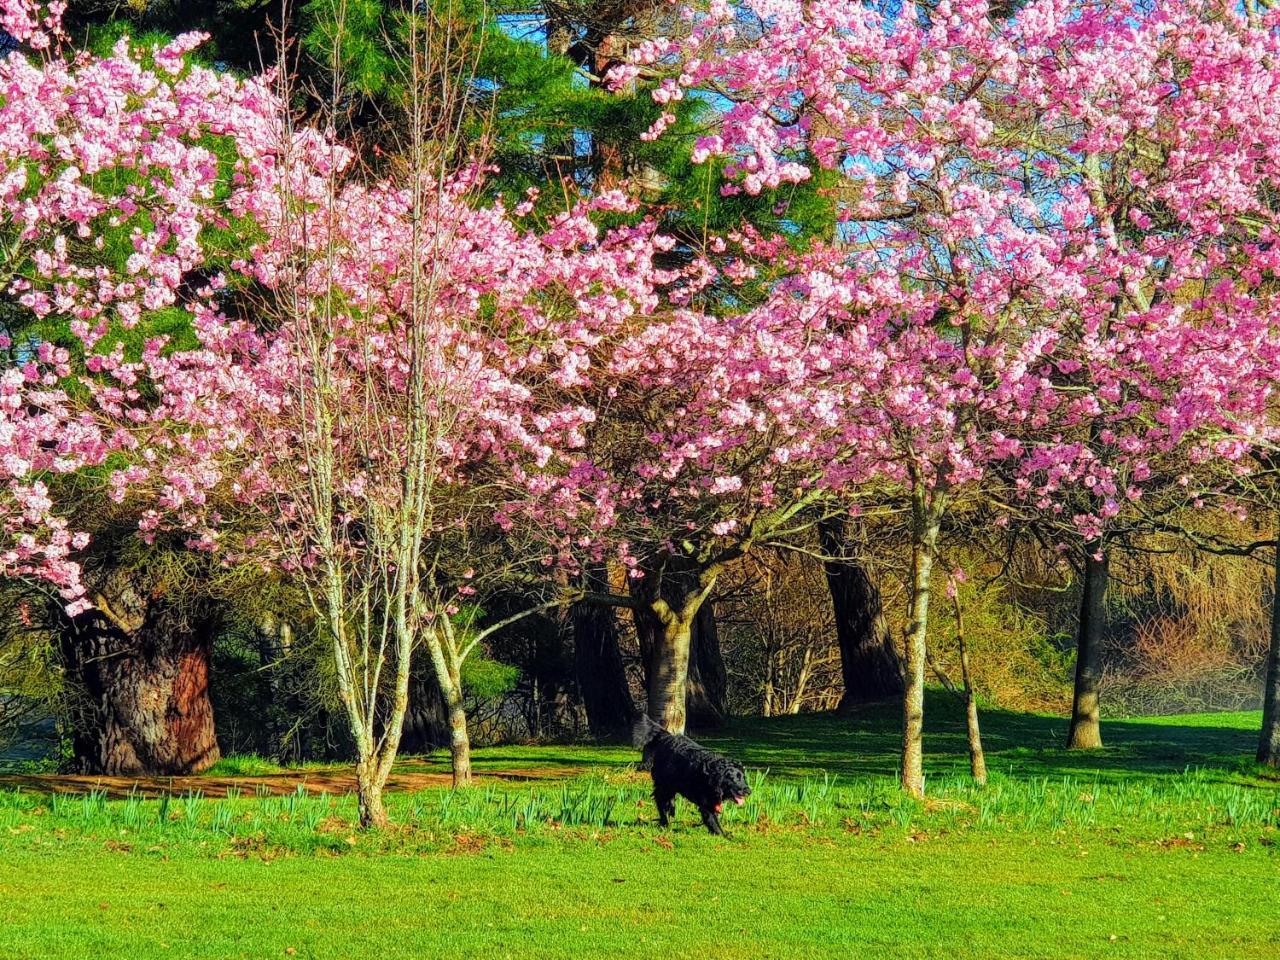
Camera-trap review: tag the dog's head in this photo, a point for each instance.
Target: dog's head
(733, 783)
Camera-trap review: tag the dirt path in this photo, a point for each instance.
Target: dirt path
(412, 775)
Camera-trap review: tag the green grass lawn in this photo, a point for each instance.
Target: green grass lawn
(1163, 845)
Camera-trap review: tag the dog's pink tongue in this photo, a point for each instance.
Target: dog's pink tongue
(739, 801)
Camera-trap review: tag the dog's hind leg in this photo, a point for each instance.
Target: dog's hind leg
(666, 805)
(712, 821)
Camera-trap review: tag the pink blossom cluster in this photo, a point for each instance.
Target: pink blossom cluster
(40, 435)
(1052, 271)
(38, 25)
(505, 326)
(113, 191)
(1056, 242)
(113, 172)
(112, 175)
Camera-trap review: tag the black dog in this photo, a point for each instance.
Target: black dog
(680, 766)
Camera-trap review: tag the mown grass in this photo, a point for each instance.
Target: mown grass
(1162, 845)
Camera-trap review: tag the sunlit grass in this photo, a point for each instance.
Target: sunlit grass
(1165, 844)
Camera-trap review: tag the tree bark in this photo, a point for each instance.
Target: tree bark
(666, 605)
(601, 676)
(707, 681)
(372, 813)
(869, 663)
(926, 523)
(459, 737)
(449, 680)
(448, 673)
(1269, 738)
(977, 756)
(1085, 732)
(770, 659)
(141, 686)
(802, 681)
(668, 674)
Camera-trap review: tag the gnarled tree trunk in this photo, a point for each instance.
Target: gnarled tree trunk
(869, 663)
(139, 669)
(601, 676)
(1085, 732)
(707, 684)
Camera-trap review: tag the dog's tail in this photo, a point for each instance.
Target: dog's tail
(644, 732)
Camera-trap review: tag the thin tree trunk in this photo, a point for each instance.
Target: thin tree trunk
(926, 523)
(708, 681)
(869, 663)
(459, 740)
(802, 681)
(601, 676)
(769, 669)
(977, 757)
(1086, 730)
(376, 752)
(1269, 738)
(448, 672)
(141, 687)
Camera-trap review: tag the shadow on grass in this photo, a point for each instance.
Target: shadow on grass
(866, 742)
(860, 745)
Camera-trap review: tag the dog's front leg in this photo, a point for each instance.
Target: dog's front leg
(712, 821)
(666, 806)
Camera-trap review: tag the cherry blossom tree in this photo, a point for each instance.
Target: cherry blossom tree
(402, 438)
(706, 448)
(1053, 225)
(429, 325)
(123, 180)
(394, 429)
